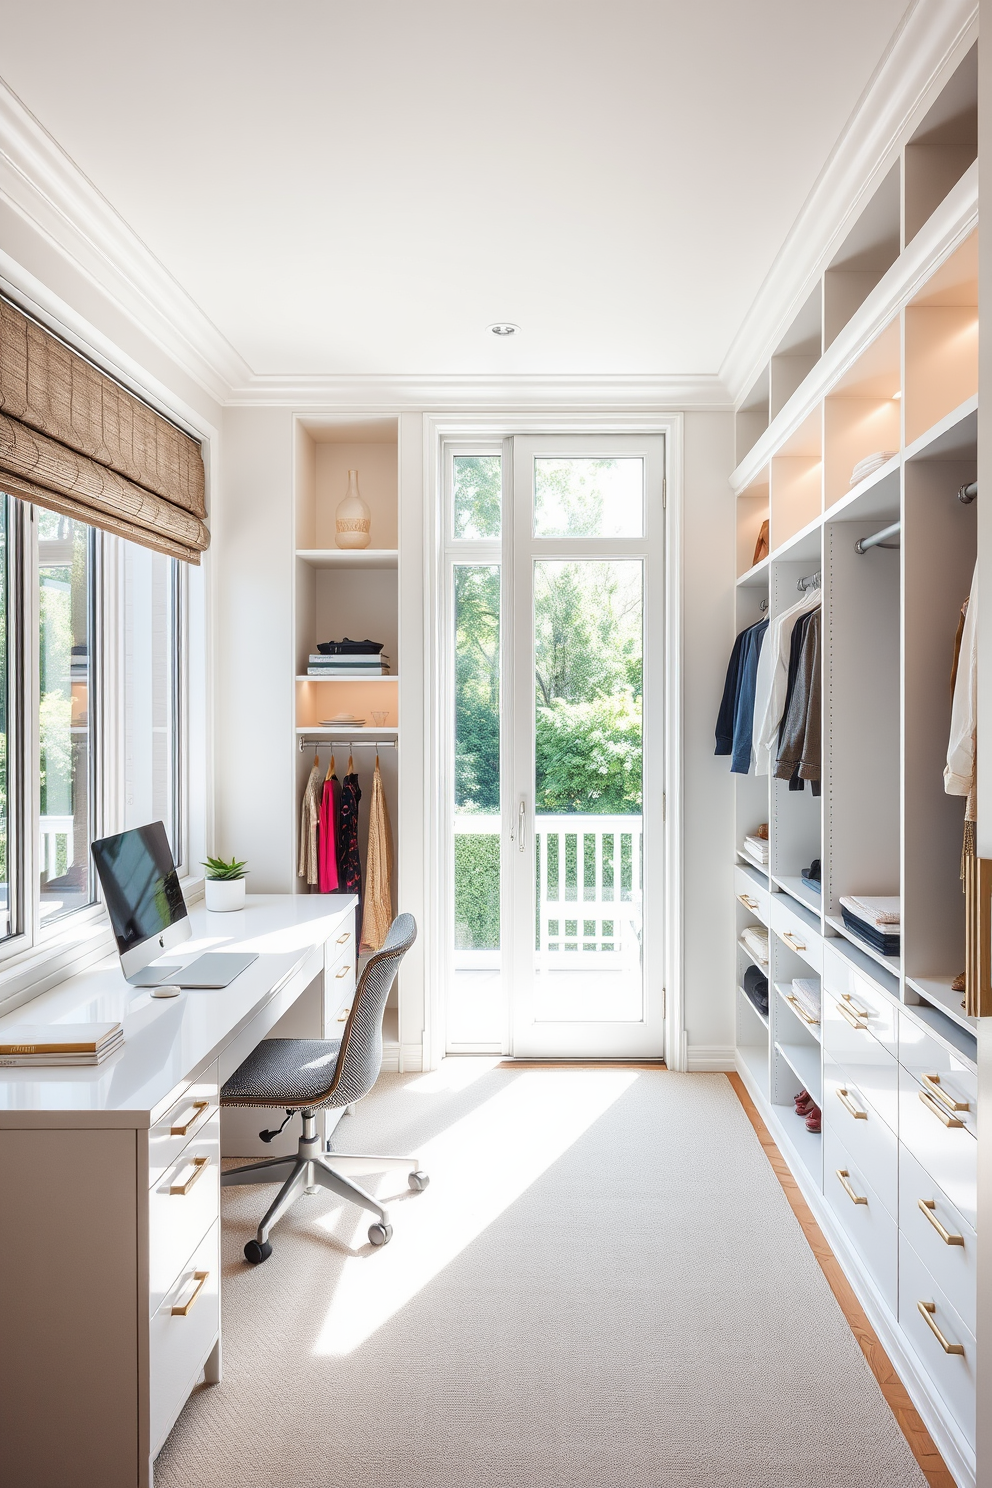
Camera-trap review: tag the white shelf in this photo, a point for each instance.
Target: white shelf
(756, 576)
(808, 1146)
(761, 965)
(389, 677)
(349, 557)
(804, 1061)
(797, 888)
(938, 991)
(346, 730)
(746, 857)
(755, 1057)
(762, 1017)
(784, 990)
(891, 963)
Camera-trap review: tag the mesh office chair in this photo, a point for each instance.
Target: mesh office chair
(305, 1075)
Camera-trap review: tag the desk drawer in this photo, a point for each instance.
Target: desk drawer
(180, 1124)
(181, 1208)
(923, 1056)
(953, 1374)
(866, 1221)
(950, 1252)
(848, 1040)
(871, 1143)
(339, 989)
(180, 1340)
(949, 1153)
(340, 947)
(751, 895)
(795, 928)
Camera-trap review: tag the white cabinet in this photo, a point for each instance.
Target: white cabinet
(939, 1234)
(866, 1136)
(941, 1143)
(940, 1339)
(867, 1222)
(181, 1334)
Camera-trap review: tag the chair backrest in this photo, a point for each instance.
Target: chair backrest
(360, 1059)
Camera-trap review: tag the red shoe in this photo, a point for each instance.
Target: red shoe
(804, 1103)
(813, 1119)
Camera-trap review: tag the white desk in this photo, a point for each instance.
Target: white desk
(105, 1239)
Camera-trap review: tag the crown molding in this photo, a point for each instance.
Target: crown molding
(40, 182)
(930, 41)
(479, 390)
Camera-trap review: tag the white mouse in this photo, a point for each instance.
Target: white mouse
(166, 991)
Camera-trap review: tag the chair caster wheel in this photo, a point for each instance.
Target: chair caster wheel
(418, 1182)
(256, 1253)
(380, 1234)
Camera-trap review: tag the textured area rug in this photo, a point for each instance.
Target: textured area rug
(603, 1287)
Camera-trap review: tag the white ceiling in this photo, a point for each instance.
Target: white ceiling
(364, 187)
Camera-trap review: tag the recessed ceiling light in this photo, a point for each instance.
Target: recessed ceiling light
(504, 328)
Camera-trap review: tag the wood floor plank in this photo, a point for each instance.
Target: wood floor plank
(910, 1422)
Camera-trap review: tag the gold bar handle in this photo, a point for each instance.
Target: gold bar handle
(187, 1119)
(845, 1183)
(343, 939)
(801, 1012)
(927, 1207)
(747, 901)
(855, 1016)
(345, 970)
(793, 940)
(343, 1015)
(183, 1309)
(200, 1165)
(926, 1311)
(849, 1105)
(938, 1111)
(932, 1083)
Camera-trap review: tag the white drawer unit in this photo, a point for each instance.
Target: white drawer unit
(848, 982)
(866, 1221)
(184, 1120)
(848, 1041)
(870, 1141)
(182, 1206)
(796, 928)
(181, 1334)
(944, 1345)
(941, 1237)
(939, 1140)
(339, 989)
(948, 1077)
(750, 894)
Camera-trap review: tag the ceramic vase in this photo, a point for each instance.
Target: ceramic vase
(224, 894)
(352, 519)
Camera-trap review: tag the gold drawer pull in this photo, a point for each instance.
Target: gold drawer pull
(343, 939)
(183, 1309)
(849, 1105)
(845, 1183)
(343, 1015)
(200, 1165)
(926, 1311)
(747, 901)
(852, 1014)
(938, 1111)
(801, 1012)
(793, 941)
(343, 972)
(932, 1083)
(185, 1122)
(927, 1207)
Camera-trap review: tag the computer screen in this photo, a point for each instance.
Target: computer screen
(140, 885)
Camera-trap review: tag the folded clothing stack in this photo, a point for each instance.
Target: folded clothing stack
(755, 938)
(871, 462)
(811, 876)
(806, 991)
(756, 847)
(876, 920)
(755, 986)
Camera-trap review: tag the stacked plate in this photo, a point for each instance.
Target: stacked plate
(343, 720)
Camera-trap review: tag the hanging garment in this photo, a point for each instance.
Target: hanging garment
(959, 774)
(728, 703)
(761, 546)
(378, 914)
(744, 711)
(309, 824)
(349, 861)
(798, 758)
(327, 839)
(772, 681)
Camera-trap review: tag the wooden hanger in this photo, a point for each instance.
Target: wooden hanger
(351, 765)
(316, 758)
(330, 770)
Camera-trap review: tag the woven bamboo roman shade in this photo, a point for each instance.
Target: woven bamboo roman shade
(75, 441)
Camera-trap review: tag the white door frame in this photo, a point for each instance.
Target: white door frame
(497, 425)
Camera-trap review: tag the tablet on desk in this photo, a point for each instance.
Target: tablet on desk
(212, 969)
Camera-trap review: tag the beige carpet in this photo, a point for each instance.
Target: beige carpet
(604, 1287)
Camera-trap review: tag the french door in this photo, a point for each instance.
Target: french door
(557, 848)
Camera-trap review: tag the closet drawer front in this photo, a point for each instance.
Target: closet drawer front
(870, 1227)
(849, 985)
(871, 1143)
(753, 897)
(923, 1055)
(948, 1153)
(339, 990)
(341, 947)
(858, 1052)
(183, 1121)
(178, 1343)
(793, 927)
(181, 1208)
(952, 1374)
(949, 1253)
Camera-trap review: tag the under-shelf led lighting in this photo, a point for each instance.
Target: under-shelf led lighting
(897, 396)
(504, 328)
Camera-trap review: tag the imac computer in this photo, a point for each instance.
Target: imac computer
(148, 912)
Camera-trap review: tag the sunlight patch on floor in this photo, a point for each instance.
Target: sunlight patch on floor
(457, 1073)
(478, 1167)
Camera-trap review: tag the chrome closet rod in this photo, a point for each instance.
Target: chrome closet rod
(338, 743)
(809, 581)
(877, 539)
(967, 494)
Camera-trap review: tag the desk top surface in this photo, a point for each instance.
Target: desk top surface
(166, 1040)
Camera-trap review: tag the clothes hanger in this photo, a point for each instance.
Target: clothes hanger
(316, 759)
(330, 770)
(351, 765)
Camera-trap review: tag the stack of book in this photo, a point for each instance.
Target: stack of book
(59, 1043)
(370, 663)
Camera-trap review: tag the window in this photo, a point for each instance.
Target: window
(152, 672)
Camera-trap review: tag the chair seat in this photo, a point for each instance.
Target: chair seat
(284, 1072)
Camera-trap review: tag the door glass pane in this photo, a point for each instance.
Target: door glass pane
(477, 486)
(476, 1007)
(150, 582)
(588, 625)
(65, 582)
(588, 497)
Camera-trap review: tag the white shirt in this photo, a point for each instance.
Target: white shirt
(959, 773)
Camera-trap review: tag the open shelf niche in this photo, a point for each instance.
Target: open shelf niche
(870, 248)
(752, 510)
(861, 413)
(942, 342)
(943, 147)
(752, 416)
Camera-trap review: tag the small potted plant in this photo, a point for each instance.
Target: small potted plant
(224, 886)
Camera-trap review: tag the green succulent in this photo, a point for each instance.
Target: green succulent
(217, 868)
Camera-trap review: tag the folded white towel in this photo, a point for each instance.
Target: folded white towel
(757, 847)
(879, 910)
(870, 463)
(806, 991)
(755, 937)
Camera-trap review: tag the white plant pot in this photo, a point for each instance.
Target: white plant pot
(224, 894)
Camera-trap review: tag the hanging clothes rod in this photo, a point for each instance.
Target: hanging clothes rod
(338, 743)
(967, 494)
(811, 581)
(877, 539)
(762, 605)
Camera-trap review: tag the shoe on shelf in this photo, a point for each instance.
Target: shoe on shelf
(813, 1119)
(804, 1103)
(800, 1098)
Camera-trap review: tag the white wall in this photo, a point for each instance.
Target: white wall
(708, 619)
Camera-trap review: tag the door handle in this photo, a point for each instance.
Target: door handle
(521, 824)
